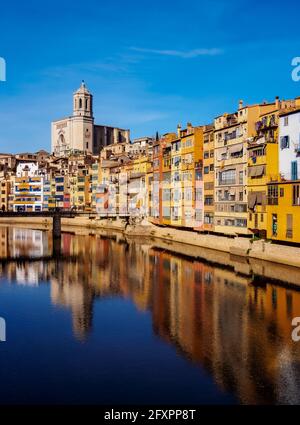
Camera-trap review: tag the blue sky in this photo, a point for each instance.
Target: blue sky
(150, 64)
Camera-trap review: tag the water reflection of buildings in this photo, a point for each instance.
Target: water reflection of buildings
(18, 243)
(238, 332)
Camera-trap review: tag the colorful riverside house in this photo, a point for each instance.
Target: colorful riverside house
(105, 200)
(232, 134)
(186, 183)
(263, 165)
(176, 187)
(156, 199)
(4, 190)
(208, 177)
(47, 192)
(80, 191)
(166, 178)
(149, 180)
(62, 193)
(192, 176)
(94, 175)
(27, 193)
(283, 209)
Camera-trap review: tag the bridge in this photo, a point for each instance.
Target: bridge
(56, 215)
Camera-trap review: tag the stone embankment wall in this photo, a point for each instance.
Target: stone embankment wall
(219, 249)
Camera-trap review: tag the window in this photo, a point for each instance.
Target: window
(274, 224)
(273, 195)
(241, 196)
(294, 170)
(198, 194)
(241, 177)
(227, 177)
(208, 218)
(206, 155)
(289, 225)
(208, 200)
(166, 195)
(241, 222)
(296, 194)
(211, 167)
(206, 170)
(281, 192)
(261, 218)
(284, 142)
(286, 121)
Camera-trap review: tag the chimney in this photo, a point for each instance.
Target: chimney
(277, 102)
(240, 104)
(178, 130)
(189, 127)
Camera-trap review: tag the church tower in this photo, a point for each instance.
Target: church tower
(83, 102)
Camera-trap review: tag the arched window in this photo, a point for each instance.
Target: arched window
(62, 142)
(86, 104)
(80, 103)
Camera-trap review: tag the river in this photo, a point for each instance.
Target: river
(110, 320)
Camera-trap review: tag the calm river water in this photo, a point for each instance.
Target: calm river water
(110, 321)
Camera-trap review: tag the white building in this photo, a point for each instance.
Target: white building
(27, 191)
(79, 133)
(29, 169)
(289, 145)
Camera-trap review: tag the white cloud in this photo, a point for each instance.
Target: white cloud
(185, 54)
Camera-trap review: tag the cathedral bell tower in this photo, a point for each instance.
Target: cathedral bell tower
(83, 102)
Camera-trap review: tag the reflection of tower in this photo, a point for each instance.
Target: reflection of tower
(76, 296)
(83, 313)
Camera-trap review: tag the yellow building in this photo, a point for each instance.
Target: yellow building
(263, 164)
(283, 211)
(186, 178)
(5, 190)
(232, 135)
(80, 192)
(283, 204)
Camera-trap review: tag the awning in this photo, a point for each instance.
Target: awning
(235, 149)
(251, 171)
(258, 198)
(221, 152)
(257, 171)
(260, 170)
(251, 200)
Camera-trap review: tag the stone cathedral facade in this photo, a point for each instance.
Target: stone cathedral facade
(79, 133)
